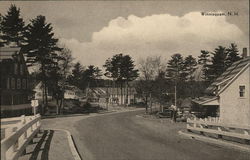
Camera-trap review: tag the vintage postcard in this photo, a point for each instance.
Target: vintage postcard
(125, 80)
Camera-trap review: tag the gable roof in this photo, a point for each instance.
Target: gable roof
(225, 78)
(206, 100)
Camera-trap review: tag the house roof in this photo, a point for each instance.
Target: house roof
(71, 87)
(97, 92)
(206, 100)
(228, 75)
(8, 52)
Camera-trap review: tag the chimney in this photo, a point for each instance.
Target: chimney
(244, 53)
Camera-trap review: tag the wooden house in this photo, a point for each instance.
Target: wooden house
(228, 97)
(14, 86)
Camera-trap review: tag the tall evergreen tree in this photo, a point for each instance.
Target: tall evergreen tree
(204, 57)
(1, 32)
(204, 60)
(128, 71)
(41, 47)
(121, 69)
(190, 67)
(218, 65)
(232, 54)
(12, 26)
(76, 77)
(175, 68)
(91, 75)
(175, 73)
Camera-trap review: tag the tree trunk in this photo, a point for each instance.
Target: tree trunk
(127, 94)
(146, 101)
(61, 106)
(121, 94)
(57, 105)
(150, 103)
(46, 97)
(117, 89)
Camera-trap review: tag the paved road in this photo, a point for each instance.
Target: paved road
(127, 137)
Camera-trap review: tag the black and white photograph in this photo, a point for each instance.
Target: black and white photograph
(125, 80)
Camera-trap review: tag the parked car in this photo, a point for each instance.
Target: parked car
(165, 114)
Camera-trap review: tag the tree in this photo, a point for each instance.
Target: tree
(232, 54)
(41, 48)
(218, 65)
(175, 68)
(76, 77)
(128, 71)
(176, 74)
(204, 60)
(121, 69)
(12, 26)
(204, 57)
(150, 69)
(1, 32)
(91, 75)
(190, 67)
(65, 65)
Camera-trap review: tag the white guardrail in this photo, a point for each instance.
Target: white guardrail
(18, 135)
(214, 126)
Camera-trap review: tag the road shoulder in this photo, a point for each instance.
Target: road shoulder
(223, 143)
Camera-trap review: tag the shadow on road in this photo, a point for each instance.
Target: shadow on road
(40, 146)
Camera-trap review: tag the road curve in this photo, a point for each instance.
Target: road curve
(124, 136)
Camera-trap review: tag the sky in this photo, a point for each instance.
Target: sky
(96, 30)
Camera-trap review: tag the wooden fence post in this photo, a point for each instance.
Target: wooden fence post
(24, 135)
(219, 129)
(9, 152)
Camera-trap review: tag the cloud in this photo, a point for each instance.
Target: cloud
(161, 34)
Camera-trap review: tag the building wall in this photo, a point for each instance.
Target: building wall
(69, 94)
(233, 108)
(14, 81)
(122, 99)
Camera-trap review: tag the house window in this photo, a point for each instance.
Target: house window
(18, 86)
(21, 69)
(242, 91)
(24, 84)
(13, 83)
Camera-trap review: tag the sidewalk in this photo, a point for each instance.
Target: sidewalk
(48, 145)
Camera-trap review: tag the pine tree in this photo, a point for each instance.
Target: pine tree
(76, 77)
(121, 69)
(190, 67)
(1, 32)
(12, 27)
(204, 57)
(218, 65)
(232, 54)
(41, 47)
(91, 75)
(175, 68)
(204, 62)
